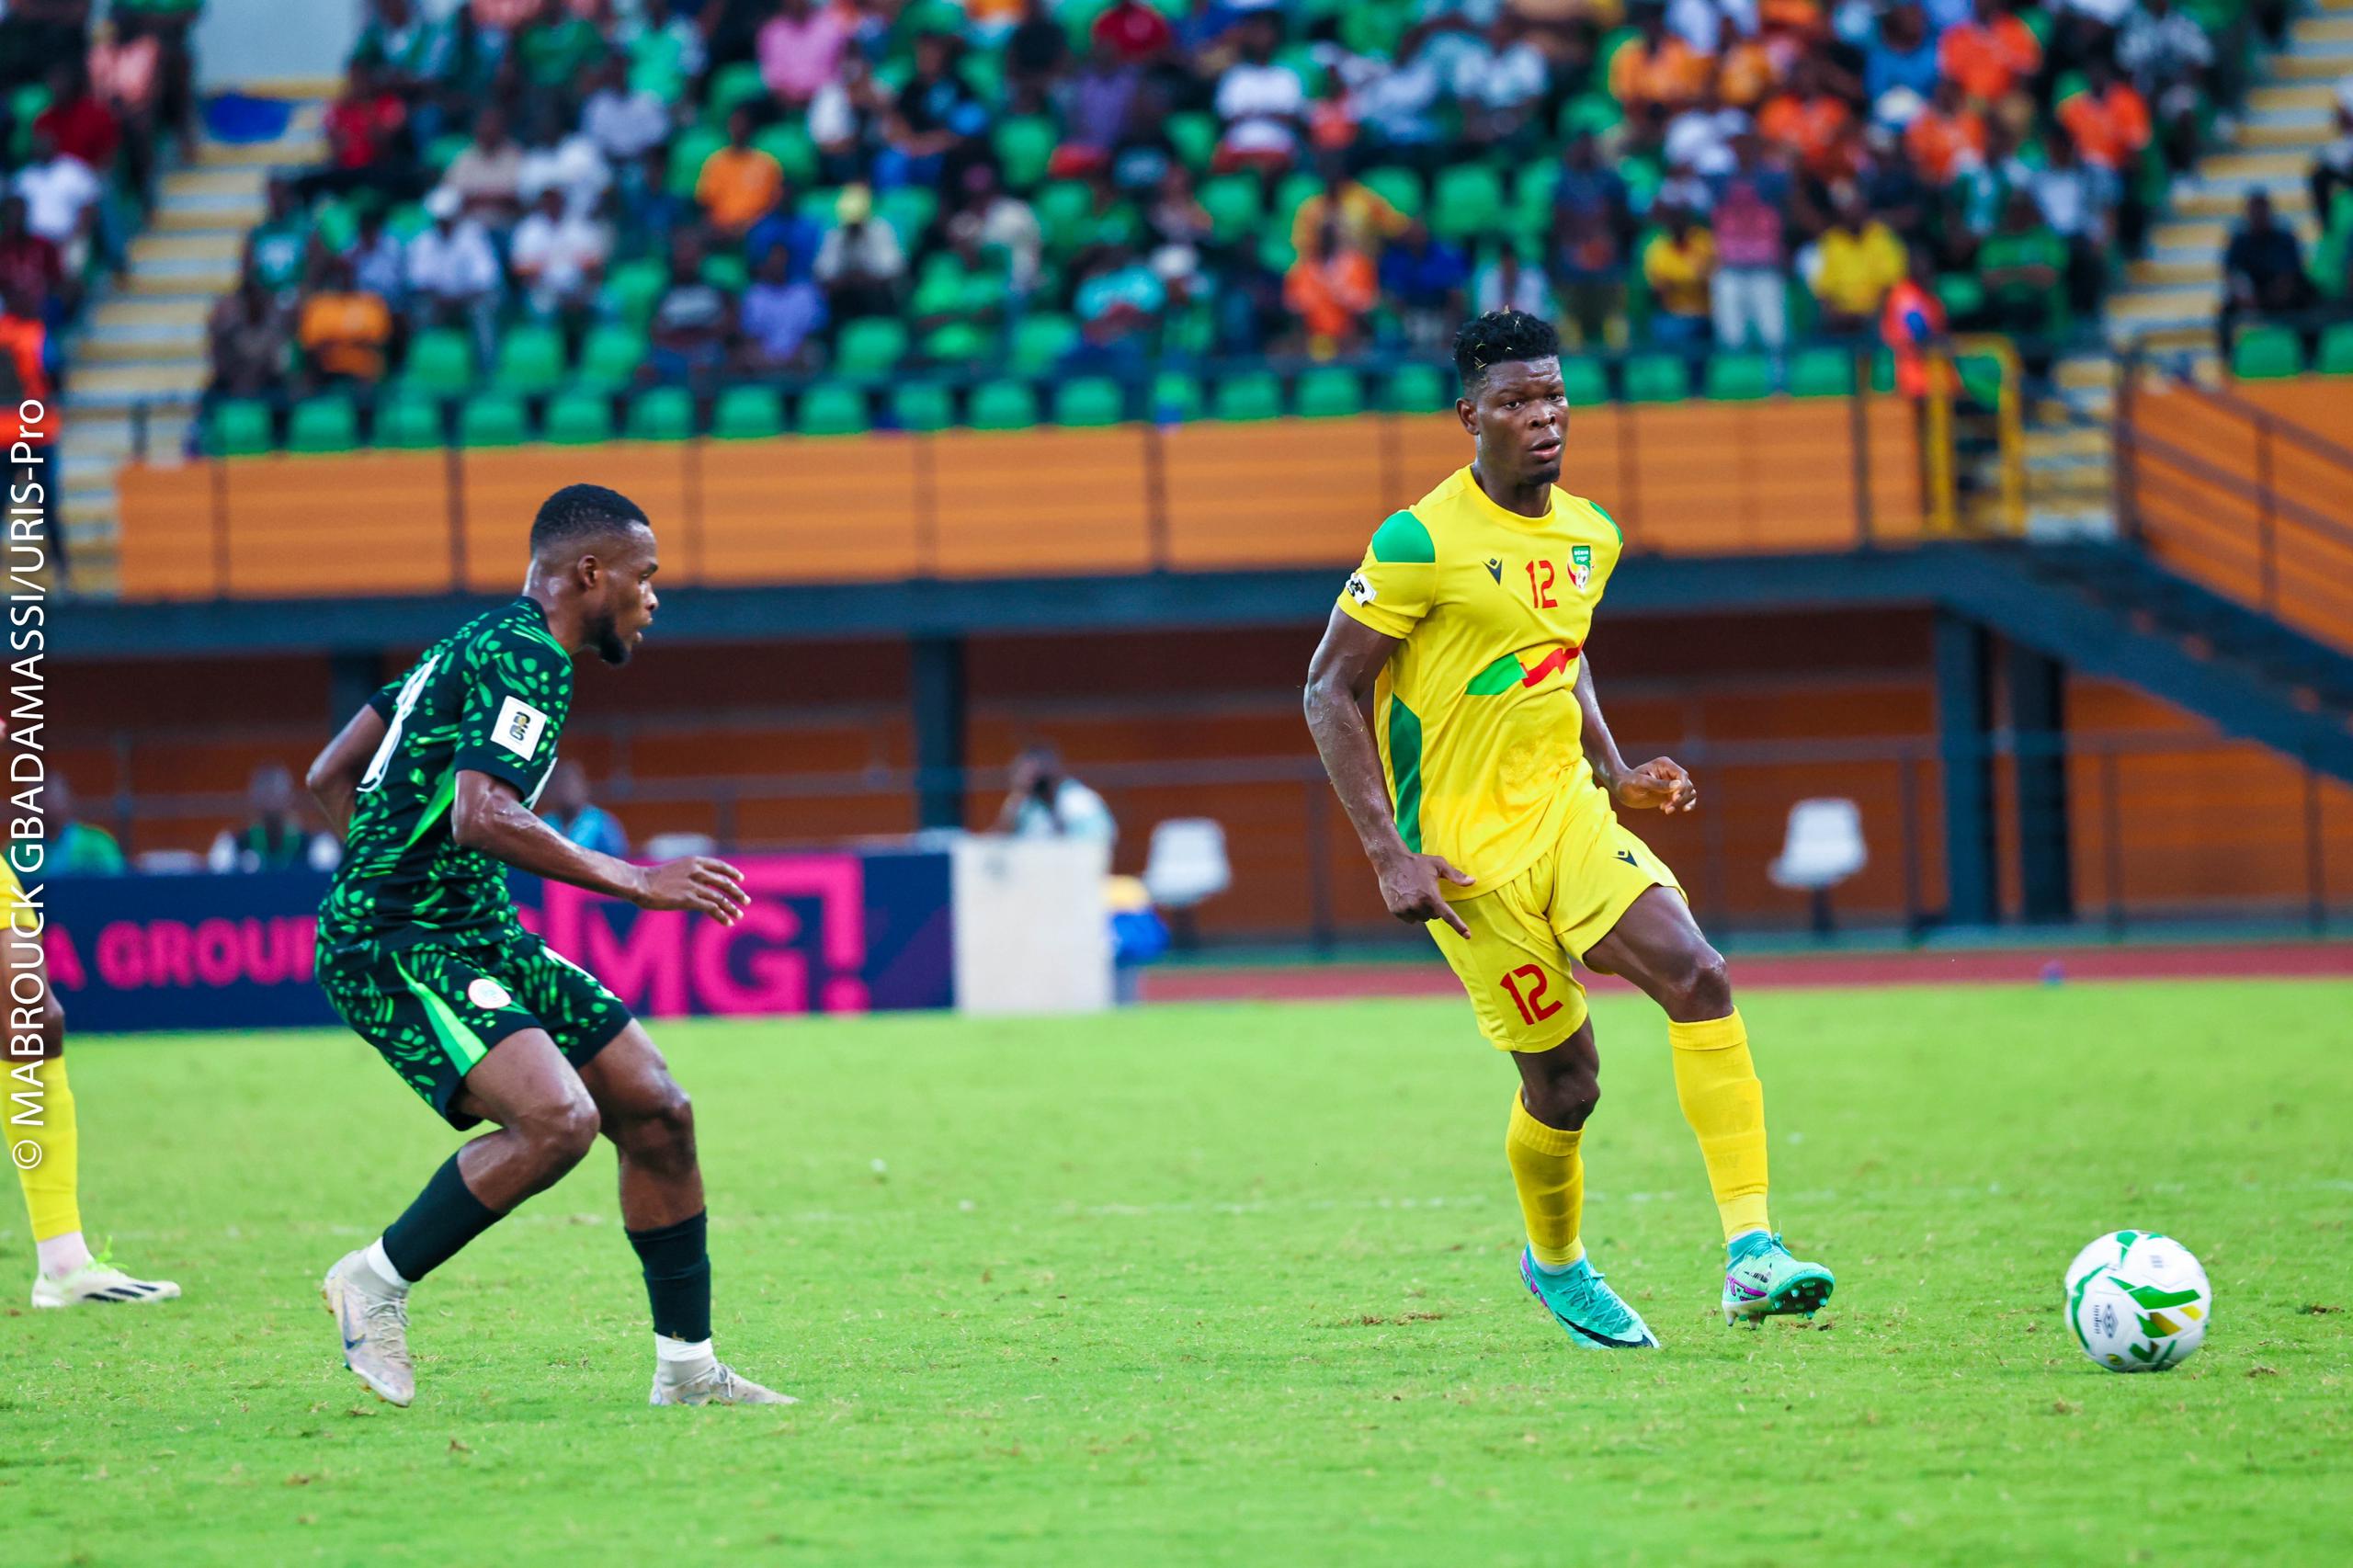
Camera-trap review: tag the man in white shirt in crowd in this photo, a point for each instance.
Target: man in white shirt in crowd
(61, 200)
(558, 257)
(453, 276)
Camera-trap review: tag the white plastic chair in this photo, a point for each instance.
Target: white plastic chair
(1824, 848)
(1187, 862)
(671, 846)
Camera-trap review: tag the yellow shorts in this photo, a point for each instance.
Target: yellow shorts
(1523, 935)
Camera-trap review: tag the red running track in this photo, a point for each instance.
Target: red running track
(2232, 961)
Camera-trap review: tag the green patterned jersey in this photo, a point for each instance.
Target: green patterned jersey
(491, 699)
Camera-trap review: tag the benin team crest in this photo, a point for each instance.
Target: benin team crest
(1581, 566)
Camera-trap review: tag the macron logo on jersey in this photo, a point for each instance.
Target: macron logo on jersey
(1361, 590)
(519, 727)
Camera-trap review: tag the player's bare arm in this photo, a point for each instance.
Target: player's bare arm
(1659, 784)
(1340, 680)
(487, 813)
(334, 775)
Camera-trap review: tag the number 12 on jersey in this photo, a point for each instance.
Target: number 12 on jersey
(1532, 1006)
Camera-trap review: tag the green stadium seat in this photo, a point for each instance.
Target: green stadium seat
(491, 419)
(1194, 135)
(1290, 195)
(817, 204)
(1586, 380)
(870, 346)
(1062, 207)
(1040, 342)
(1980, 376)
(1025, 146)
(958, 343)
(732, 88)
(531, 360)
(440, 364)
(1090, 401)
(662, 414)
(2335, 351)
(634, 289)
(1253, 395)
(579, 418)
(1468, 203)
(1232, 202)
(407, 422)
(925, 405)
(1401, 187)
(832, 408)
(1004, 405)
(747, 413)
(727, 272)
(323, 424)
(610, 358)
(1328, 391)
(688, 152)
(2266, 352)
(238, 427)
(1738, 377)
(1175, 397)
(909, 210)
(1416, 389)
(1882, 377)
(1822, 372)
(1657, 378)
(794, 153)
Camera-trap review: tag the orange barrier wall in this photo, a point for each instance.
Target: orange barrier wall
(811, 745)
(1691, 478)
(2245, 507)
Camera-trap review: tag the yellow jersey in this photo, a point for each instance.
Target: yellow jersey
(1476, 712)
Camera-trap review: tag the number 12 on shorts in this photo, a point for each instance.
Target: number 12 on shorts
(1533, 1008)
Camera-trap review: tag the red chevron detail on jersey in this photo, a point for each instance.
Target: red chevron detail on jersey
(1558, 659)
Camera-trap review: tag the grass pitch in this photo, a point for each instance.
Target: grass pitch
(1211, 1284)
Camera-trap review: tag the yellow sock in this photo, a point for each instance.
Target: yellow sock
(1550, 1174)
(1725, 1106)
(51, 1182)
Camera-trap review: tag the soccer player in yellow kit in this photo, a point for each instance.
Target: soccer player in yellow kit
(42, 1138)
(1453, 704)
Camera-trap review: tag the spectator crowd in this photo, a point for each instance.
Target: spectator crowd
(695, 192)
(85, 106)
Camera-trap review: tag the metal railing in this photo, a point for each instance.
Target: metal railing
(2284, 549)
(2147, 835)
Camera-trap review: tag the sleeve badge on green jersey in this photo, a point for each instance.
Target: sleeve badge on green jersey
(1361, 590)
(519, 727)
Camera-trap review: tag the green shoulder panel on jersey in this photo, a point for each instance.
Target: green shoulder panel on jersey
(1402, 540)
(1611, 520)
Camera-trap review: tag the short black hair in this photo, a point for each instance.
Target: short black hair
(578, 513)
(1497, 339)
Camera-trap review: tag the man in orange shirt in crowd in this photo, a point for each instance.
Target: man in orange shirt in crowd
(739, 184)
(1657, 67)
(344, 328)
(1946, 137)
(2107, 120)
(1814, 123)
(1991, 55)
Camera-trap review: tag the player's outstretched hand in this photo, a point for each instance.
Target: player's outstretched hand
(1659, 784)
(1409, 887)
(696, 882)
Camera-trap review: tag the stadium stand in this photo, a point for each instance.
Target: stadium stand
(990, 197)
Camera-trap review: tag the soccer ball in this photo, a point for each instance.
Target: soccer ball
(2138, 1301)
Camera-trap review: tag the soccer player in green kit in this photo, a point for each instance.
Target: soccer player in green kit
(420, 951)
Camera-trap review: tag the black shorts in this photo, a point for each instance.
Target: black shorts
(434, 1009)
